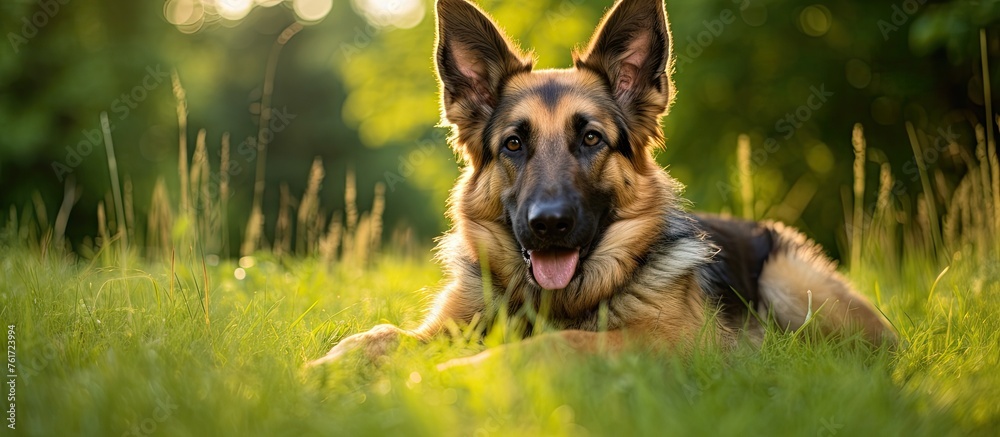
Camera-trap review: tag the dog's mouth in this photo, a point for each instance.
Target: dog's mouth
(553, 268)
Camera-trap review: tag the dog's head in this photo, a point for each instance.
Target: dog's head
(555, 155)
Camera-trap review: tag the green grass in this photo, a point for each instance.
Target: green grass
(102, 352)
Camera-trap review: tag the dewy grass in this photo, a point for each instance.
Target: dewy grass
(91, 363)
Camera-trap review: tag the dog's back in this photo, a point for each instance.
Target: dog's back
(775, 271)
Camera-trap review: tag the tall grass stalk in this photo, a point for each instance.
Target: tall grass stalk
(256, 225)
(329, 243)
(990, 141)
(308, 214)
(283, 226)
(746, 175)
(200, 200)
(182, 159)
(378, 208)
(116, 189)
(857, 223)
(884, 219)
(930, 202)
(985, 216)
(71, 194)
(102, 227)
(129, 206)
(351, 207)
(159, 222)
(224, 192)
(41, 215)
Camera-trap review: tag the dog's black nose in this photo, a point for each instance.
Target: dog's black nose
(550, 220)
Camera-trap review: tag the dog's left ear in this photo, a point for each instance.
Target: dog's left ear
(631, 48)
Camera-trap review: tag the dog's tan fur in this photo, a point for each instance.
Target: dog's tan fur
(647, 278)
(801, 265)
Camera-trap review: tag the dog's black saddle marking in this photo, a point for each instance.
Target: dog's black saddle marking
(733, 276)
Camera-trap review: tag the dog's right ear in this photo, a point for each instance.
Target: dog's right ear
(473, 59)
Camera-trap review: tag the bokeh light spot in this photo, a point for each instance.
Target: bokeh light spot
(312, 10)
(820, 158)
(885, 110)
(402, 14)
(183, 12)
(859, 74)
(815, 20)
(233, 9)
(247, 261)
(754, 15)
(916, 114)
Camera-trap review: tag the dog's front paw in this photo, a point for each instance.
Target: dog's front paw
(373, 345)
(472, 361)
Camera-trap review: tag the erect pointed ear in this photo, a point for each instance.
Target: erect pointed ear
(473, 59)
(631, 48)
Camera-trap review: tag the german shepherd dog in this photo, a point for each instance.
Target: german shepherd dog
(561, 202)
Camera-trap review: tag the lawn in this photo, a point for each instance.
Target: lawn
(102, 350)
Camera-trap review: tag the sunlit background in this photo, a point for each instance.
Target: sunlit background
(191, 16)
(356, 88)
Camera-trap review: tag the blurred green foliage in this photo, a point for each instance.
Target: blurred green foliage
(364, 96)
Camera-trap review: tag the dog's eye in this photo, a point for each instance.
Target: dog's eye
(592, 138)
(512, 144)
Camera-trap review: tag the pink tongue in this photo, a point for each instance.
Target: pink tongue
(554, 269)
